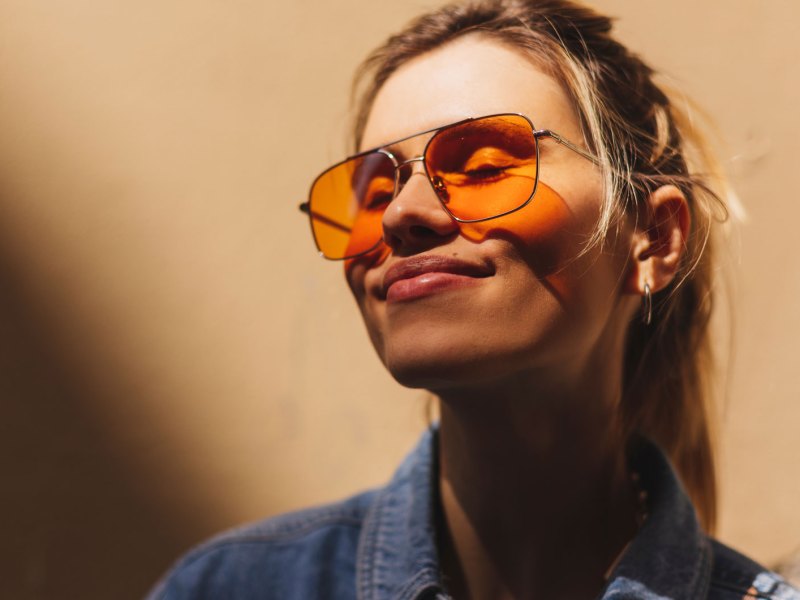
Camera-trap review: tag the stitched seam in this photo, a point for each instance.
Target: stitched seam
(366, 549)
(380, 567)
(408, 591)
(204, 551)
(700, 588)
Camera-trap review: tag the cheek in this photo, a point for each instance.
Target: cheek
(355, 269)
(355, 272)
(366, 230)
(538, 222)
(546, 233)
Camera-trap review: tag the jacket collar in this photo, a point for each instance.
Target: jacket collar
(670, 557)
(397, 556)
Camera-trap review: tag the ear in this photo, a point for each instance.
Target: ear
(659, 241)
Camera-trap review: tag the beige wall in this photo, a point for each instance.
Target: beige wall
(175, 358)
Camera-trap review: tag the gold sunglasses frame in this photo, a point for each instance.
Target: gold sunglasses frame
(305, 207)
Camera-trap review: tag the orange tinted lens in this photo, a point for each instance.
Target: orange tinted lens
(347, 203)
(484, 168)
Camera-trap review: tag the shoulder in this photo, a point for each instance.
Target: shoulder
(735, 576)
(294, 555)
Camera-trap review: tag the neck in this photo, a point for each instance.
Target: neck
(535, 493)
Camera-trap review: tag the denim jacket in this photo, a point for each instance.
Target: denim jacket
(380, 545)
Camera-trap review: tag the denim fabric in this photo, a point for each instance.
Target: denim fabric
(380, 545)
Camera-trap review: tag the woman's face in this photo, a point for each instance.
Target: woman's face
(448, 304)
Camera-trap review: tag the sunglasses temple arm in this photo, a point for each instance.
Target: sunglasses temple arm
(304, 207)
(568, 144)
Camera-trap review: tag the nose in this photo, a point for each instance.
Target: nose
(415, 219)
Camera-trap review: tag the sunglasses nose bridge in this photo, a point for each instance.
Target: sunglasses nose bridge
(400, 180)
(410, 162)
(420, 158)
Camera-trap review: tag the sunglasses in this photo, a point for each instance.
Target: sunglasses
(479, 168)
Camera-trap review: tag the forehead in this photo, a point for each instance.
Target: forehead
(469, 77)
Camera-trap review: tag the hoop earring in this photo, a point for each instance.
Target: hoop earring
(647, 305)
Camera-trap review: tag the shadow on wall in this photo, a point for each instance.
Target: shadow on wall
(75, 524)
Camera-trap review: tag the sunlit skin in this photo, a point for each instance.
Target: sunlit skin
(519, 312)
(527, 358)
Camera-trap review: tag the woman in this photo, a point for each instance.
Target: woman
(551, 285)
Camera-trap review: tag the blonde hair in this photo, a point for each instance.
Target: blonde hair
(644, 140)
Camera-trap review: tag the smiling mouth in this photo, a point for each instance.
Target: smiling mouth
(422, 276)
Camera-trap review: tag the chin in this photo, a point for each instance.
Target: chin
(444, 354)
(412, 374)
(438, 369)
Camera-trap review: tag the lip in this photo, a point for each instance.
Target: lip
(428, 274)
